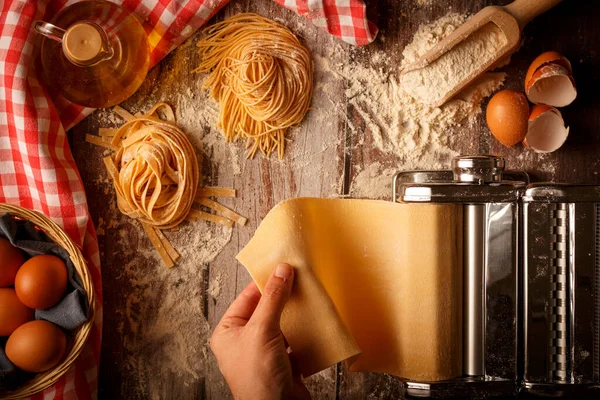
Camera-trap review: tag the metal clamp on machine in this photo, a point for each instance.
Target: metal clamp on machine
(531, 268)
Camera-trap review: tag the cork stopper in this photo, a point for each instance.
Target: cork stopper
(82, 43)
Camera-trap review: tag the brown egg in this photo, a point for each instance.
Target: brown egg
(42, 281)
(13, 313)
(11, 258)
(507, 114)
(36, 346)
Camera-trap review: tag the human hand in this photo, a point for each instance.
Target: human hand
(249, 345)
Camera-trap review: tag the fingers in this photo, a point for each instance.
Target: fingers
(240, 311)
(275, 294)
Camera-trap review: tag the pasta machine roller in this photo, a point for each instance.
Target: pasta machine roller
(531, 279)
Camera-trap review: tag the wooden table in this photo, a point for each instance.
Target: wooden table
(136, 288)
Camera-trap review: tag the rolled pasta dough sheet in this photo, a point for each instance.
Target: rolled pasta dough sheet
(378, 284)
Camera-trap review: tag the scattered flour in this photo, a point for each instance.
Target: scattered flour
(411, 135)
(107, 118)
(162, 320)
(215, 286)
(374, 182)
(198, 114)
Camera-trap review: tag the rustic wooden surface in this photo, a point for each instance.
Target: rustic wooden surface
(570, 28)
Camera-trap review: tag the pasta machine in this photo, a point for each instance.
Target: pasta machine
(531, 279)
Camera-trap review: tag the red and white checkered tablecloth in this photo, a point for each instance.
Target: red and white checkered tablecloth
(37, 169)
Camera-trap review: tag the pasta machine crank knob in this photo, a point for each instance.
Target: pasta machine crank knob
(478, 169)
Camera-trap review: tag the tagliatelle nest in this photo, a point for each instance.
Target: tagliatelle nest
(155, 170)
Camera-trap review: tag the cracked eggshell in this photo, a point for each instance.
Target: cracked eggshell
(546, 131)
(550, 81)
(553, 57)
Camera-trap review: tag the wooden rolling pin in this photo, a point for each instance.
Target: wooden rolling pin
(510, 19)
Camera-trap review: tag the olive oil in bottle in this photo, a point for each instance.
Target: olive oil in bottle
(94, 53)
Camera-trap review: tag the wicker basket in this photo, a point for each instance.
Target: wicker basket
(78, 337)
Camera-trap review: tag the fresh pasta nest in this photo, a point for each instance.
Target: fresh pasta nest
(155, 171)
(262, 77)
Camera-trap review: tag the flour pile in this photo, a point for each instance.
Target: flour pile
(433, 83)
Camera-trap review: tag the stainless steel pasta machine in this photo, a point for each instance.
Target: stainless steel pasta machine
(531, 289)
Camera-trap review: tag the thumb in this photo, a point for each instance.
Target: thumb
(274, 296)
